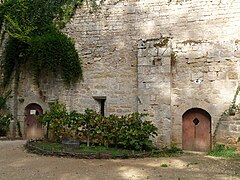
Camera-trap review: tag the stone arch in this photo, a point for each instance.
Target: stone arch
(196, 130)
(23, 103)
(32, 100)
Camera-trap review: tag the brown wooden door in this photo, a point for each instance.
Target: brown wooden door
(196, 130)
(33, 129)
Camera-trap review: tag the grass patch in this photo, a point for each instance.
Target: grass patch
(164, 165)
(223, 151)
(83, 148)
(96, 151)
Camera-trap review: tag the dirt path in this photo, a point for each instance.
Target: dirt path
(15, 163)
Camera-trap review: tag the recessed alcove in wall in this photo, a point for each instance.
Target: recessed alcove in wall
(101, 101)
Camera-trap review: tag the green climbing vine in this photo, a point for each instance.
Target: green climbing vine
(35, 37)
(3, 100)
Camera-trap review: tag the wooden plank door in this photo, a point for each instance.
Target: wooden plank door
(196, 130)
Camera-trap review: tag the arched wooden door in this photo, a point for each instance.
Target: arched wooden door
(196, 131)
(33, 129)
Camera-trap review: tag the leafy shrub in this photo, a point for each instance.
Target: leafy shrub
(129, 132)
(54, 119)
(134, 133)
(4, 124)
(90, 126)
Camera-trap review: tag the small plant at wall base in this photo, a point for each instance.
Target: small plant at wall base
(34, 37)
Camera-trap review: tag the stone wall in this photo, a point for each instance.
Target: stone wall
(154, 84)
(228, 131)
(201, 81)
(199, 69)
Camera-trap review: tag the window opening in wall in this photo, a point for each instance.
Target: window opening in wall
(101, 101)
(196, 121)
(102, 104)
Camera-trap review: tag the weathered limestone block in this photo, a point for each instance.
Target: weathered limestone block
(212, 76)
(232, 75)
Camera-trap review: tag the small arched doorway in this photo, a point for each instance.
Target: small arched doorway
(32, 128)
(196, 130)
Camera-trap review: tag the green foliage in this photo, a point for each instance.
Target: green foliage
(55, 119)
(15, 53)
(3, 100)
(89, 127)
(23, 18)
(84, 149)
(4, 124)
(129, 132)
(223, 151)
(164, 165)
(34, 33)
(96, 151)
(133, 132)
(55, 52)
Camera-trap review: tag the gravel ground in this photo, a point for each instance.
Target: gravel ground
(16, 163)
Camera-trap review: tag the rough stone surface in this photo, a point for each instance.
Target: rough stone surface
(125, 60)
(228, 130)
